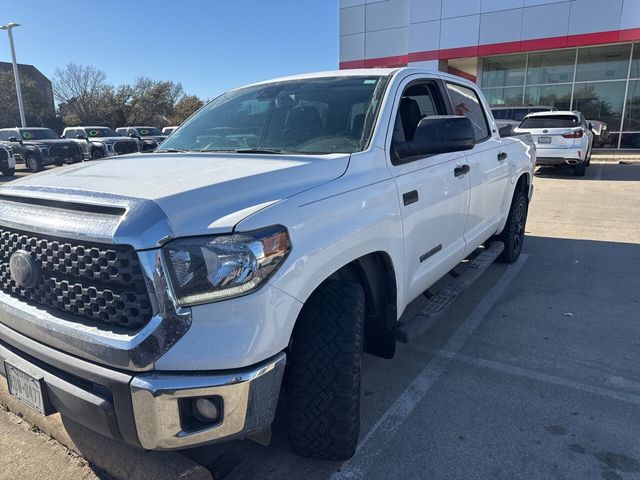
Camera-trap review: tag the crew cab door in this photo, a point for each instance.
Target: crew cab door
(489, 172)
(433, 190)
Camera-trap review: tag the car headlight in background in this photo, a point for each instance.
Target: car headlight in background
(210, 269)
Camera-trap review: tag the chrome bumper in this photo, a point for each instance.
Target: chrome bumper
(248, 397)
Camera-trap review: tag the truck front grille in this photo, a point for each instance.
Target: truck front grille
(63, 152)
(103, 283)
(122, 148)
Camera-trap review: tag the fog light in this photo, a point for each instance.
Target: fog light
(206, 410)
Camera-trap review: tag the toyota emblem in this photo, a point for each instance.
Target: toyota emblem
(24, 269)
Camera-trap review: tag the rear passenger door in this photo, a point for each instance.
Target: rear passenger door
(433, 200)
(488, 174)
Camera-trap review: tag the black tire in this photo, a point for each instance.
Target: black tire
(9, 172)
(34, 164)
(513, 234)
(97, 154)
(579, 169)
(324, 374)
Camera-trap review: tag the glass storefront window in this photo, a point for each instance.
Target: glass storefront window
(632, 116)
(504, 96)
(551, 67)
(635, 62)
(546, 79)
(630, 140)
(603, 63)
(503, 71)
(600, 101)
(558, 96)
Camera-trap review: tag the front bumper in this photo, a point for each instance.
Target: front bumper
(147, 410)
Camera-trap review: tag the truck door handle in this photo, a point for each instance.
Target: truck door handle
(502, 156)
(410, 197)
(461, 170)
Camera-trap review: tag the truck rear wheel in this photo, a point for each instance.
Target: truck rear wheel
(324, 375)
(579, 169)
(513, 234)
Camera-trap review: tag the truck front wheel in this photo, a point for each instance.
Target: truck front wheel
(324, 375)
(34, 164)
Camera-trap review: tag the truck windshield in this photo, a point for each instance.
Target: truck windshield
(148, 131)
(38, 134)
(311, 115)
(550, 121)
(100, 132)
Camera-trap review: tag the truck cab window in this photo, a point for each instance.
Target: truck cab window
(466, 102)
(418, 101)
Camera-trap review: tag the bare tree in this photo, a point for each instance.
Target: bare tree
(83, 94)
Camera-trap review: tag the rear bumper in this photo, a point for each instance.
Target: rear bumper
(559, 156)
(148, 410)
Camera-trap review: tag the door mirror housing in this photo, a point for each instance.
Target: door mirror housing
(15, 139)
(506, 131)
(133, 135)
(436, 135)
(81, 136)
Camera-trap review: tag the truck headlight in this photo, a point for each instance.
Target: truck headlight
(209, 269)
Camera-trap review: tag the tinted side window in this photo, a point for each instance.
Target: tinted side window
(520, 113)
(465, 102)
(4, 135)
(70, 134)
(500, 114)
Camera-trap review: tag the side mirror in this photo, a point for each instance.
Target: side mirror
(133, 135)
(81, 136)
(506, 131)
(14, 139)
(440, 134)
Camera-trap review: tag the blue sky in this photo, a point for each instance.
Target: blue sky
(208, 45)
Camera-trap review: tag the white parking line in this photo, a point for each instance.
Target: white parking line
(391, 421)
(542, 377)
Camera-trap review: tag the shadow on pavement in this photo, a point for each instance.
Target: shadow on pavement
(596, 171)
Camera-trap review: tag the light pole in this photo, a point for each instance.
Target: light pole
(16, 75)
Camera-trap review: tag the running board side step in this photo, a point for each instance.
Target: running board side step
(441, 300)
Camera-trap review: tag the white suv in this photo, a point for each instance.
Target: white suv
(562, 138)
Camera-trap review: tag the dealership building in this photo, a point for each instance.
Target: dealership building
(573, 54)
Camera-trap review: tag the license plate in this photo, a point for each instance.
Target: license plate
(25, 387)
(544, 139)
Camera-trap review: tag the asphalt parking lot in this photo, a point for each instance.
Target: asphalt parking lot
(533, 374)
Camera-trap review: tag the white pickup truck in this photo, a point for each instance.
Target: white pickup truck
(165, 299)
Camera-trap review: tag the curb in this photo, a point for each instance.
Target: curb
(115, 459)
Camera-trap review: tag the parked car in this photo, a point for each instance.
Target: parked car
(149, 137)
(561, 137)
(38, 147)
(168, 130)
(513, 115)
(178, 298)
(100, 142)
(7, 160)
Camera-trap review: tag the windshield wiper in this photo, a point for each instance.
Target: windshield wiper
(171, 150)
(273, 151)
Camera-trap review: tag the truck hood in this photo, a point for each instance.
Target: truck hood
(48, 142)
(111, 139)
(197, 193)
